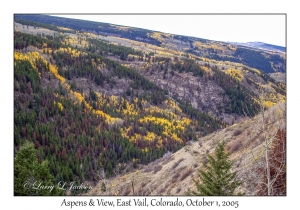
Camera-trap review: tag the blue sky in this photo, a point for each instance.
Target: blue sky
(234, 28)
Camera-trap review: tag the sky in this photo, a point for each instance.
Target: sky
(260, 31)
(269, 29)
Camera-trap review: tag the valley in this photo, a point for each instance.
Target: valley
(134, 111)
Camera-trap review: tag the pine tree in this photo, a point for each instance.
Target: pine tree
(217, 180)
(103, 187)
(29, 173)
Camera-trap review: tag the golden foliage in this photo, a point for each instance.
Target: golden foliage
(63, 28)
(108, 118)
(234, 73)
(72, 52)
(173, 105)
(130, 109)
(54, 70)
(198, 44)
(60, 106)
(269, 104)
(206, 69)
(232, 48)
(31, 57)
(171, 126)
(75, 40)
(213, 46)
(157, 36)
(90, 34)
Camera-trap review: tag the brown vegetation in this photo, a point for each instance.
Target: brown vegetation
(127, 192)
(167, 160)
(143, 184)
(235, 145)
(237, 132)
(277, 167)
(177, 163)
(177, 170)
(157, 168)
(186, 173)
(176, 176)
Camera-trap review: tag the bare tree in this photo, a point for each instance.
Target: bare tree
(270, 157)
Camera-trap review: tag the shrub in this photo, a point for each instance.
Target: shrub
(237, 132)
(261, 138)
(167, 160)
(234, 145)
(141, 192)
(127, 192)
(143, 184)
(204, 159)
(161, 191)
(173, 180)
(177, 163)
(181, 168)
(157, 168)
(186, 174)
(148, 169)
(178, 190)
(176, 175)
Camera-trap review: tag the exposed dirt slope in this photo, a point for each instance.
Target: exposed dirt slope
(174, 173)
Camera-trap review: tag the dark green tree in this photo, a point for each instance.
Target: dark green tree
(30, 176)
(217, 178)
(103, 187)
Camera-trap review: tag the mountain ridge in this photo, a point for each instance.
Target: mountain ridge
(124, 103)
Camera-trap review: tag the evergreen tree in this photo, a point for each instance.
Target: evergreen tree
(217, 180)
(30, 175)
(103, 187)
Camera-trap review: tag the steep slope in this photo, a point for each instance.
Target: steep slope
(196, 80)
(122, 101)
(74, 105)
(174, 173)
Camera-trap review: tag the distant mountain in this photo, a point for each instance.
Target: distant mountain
(99, 101)
(262, 45)
(257, 57)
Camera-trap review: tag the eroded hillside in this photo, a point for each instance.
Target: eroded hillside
(174, 173)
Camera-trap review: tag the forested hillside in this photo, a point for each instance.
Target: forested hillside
(97, 101)
(81, 131)
(265, 61)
